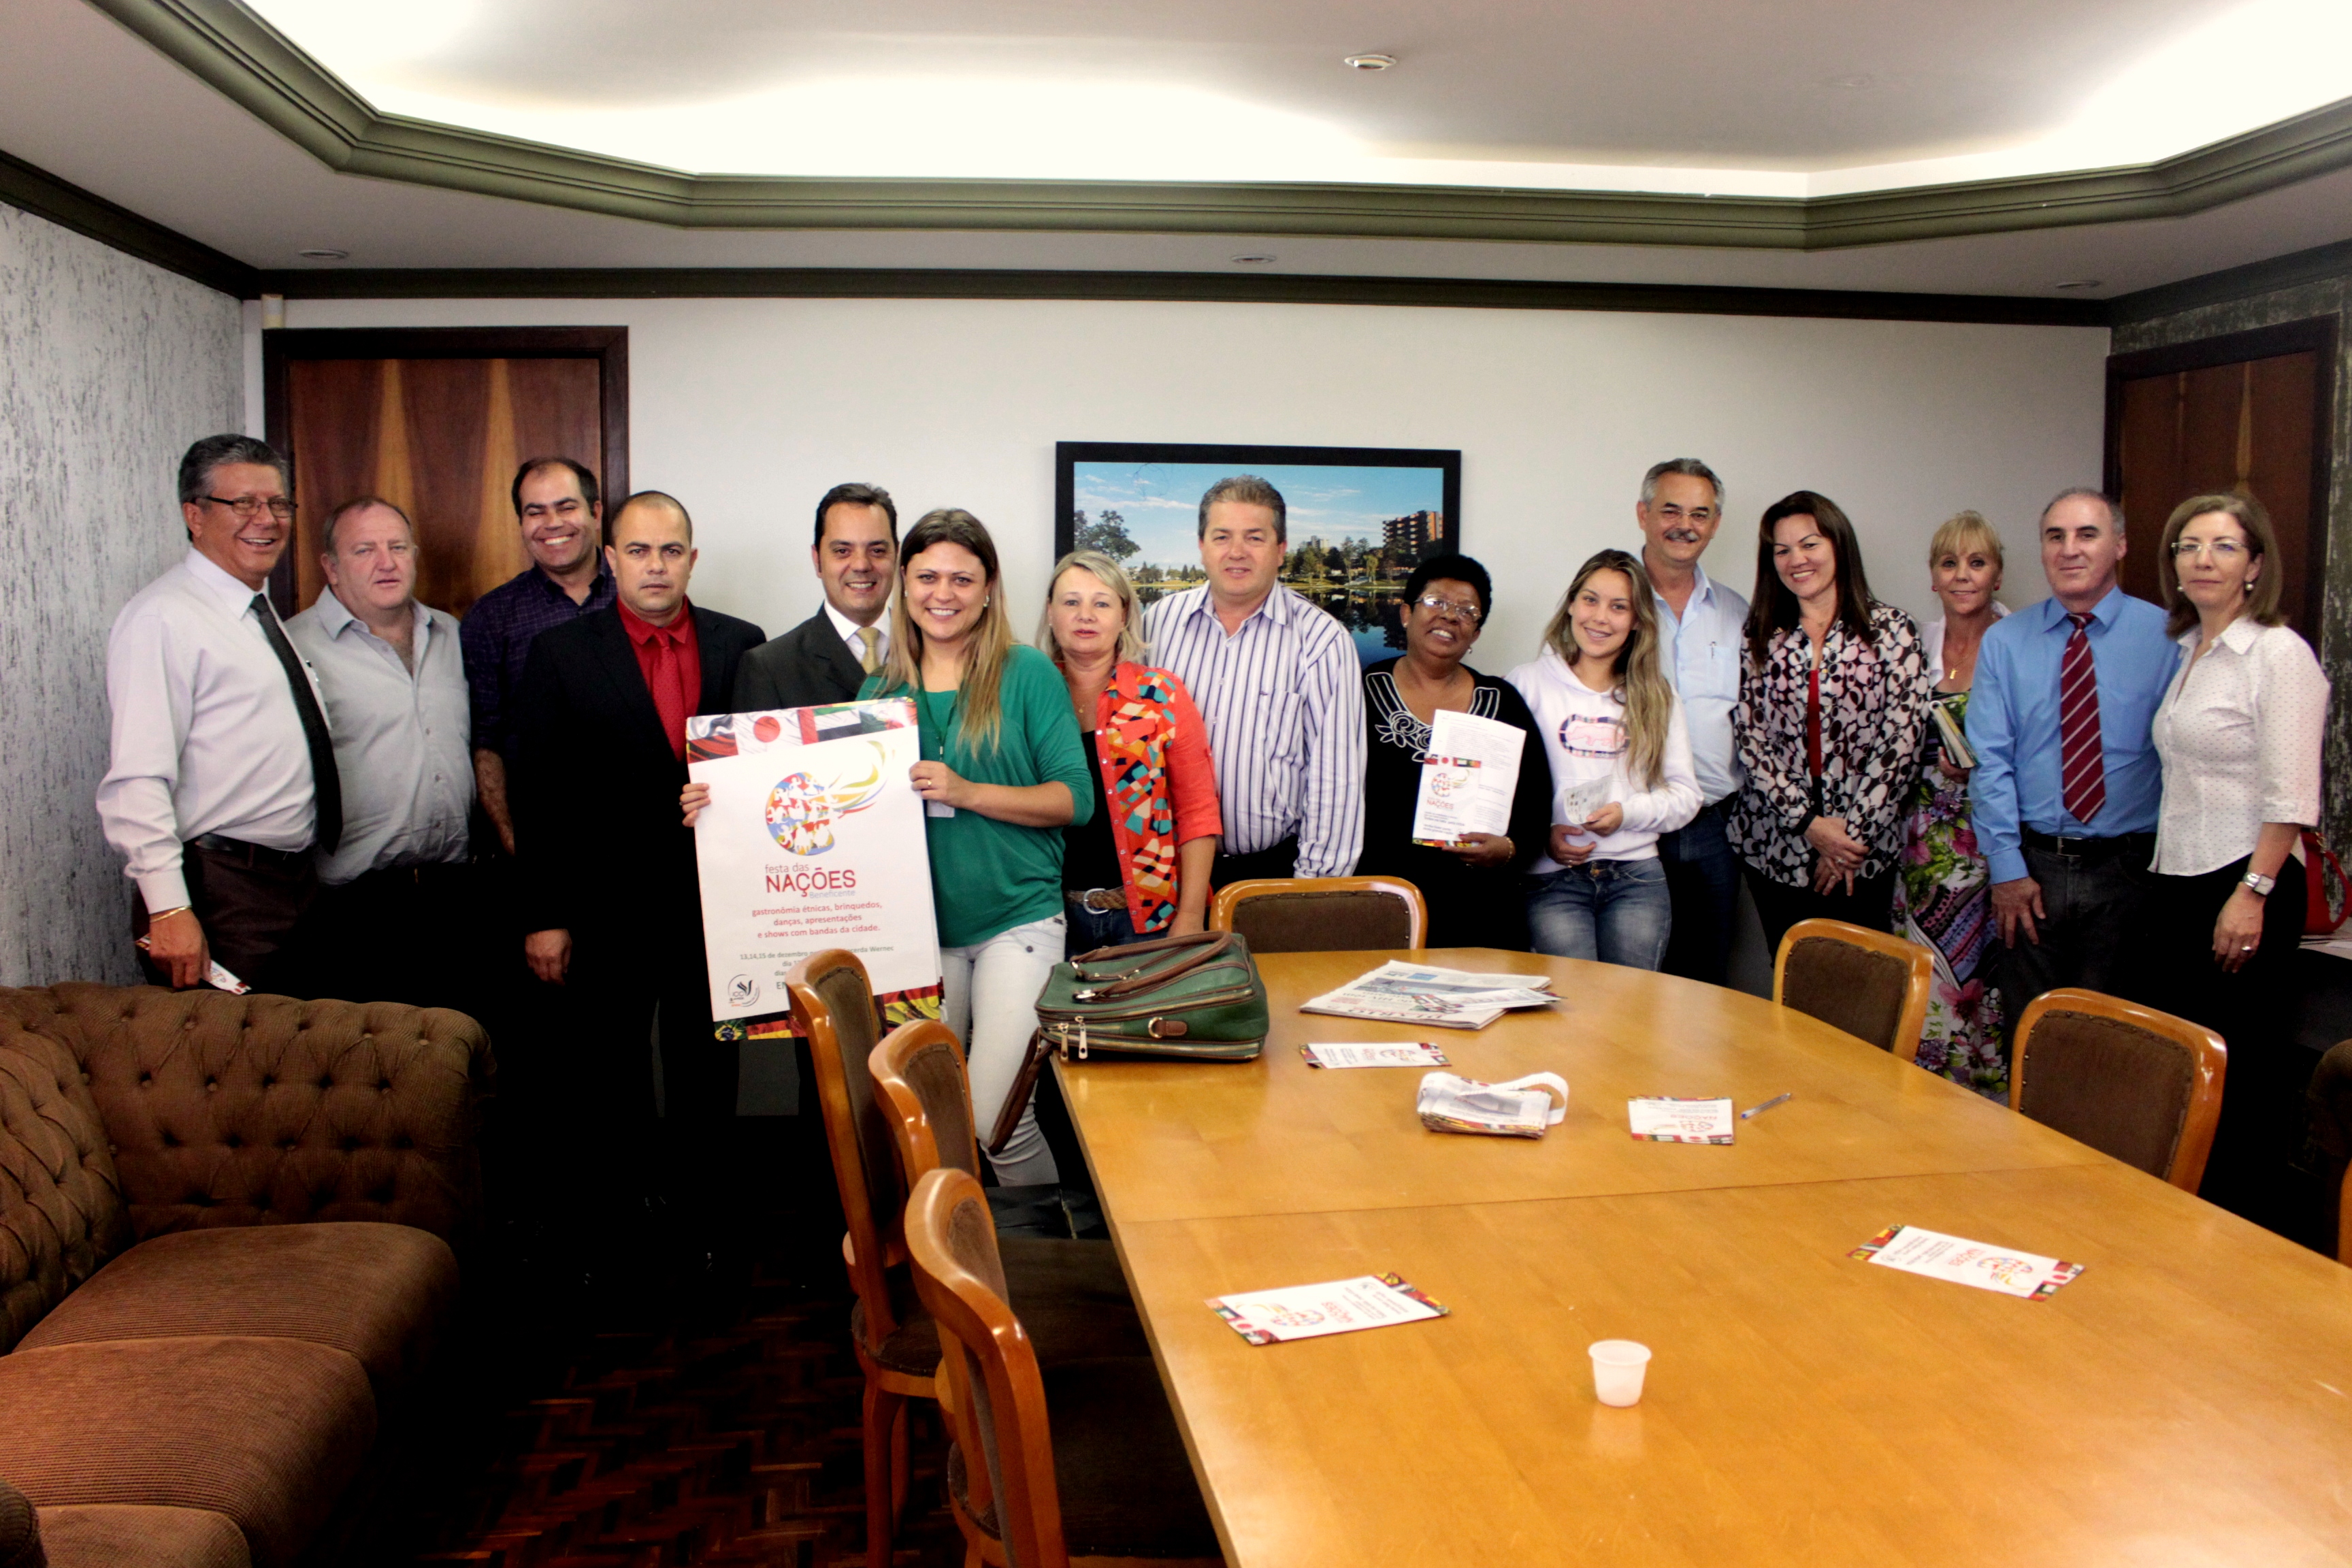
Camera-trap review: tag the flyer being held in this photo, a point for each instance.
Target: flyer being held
(813, 840)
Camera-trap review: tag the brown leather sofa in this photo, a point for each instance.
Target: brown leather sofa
(226, 1260)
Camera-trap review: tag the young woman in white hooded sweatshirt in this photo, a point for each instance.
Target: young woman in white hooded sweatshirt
(1621, 770)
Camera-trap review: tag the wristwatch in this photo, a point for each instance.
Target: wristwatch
(2260, 884)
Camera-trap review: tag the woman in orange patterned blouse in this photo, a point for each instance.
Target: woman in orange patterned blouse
(1139, 868)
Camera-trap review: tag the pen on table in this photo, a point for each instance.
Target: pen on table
(1760, 1109)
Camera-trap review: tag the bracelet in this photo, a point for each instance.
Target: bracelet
(154, 915)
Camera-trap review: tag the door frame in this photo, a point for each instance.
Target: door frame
(2313, 334)
(608, 346)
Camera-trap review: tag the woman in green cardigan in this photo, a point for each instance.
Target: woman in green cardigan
(1003, 773)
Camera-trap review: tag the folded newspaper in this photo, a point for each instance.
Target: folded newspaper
(1402, 993)
(1522, 1108)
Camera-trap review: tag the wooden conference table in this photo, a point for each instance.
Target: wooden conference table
(2187, 1400)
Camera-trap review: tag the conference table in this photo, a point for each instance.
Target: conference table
(2187, 1399)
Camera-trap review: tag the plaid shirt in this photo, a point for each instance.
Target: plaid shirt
(496, 636)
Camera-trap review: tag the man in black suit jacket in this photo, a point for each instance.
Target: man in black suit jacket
(613, 906)
(828, 656)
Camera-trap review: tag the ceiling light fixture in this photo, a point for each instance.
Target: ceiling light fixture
(1256, 258)
(1369, 62)
(2082, 283)
(324, 253)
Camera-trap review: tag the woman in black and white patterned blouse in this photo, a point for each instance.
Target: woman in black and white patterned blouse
(1834, 695)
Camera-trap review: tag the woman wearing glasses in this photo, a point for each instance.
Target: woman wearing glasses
(1472, 890)
(2239, 734)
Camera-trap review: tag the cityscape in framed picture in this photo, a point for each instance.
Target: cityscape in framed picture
(1360, 519)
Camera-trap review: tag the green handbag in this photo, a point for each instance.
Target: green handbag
(1195, 996)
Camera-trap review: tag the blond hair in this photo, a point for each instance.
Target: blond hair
(1649, 700)
(2262, 543)
(1963, 532)
(1111, 575)
(980, 688)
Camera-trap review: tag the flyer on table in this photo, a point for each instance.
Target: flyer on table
(1966, 1262)
(813, 840)
(1334, 1307)
(1668, 1118)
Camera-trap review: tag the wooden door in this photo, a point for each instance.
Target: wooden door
(436, 423)
(2250, 414)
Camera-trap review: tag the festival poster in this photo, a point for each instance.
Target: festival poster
(814, 838)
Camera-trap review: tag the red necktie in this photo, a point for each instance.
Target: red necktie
(2082, 770)
(669, 691)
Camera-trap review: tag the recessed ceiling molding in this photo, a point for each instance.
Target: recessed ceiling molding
(37, 191)
(242, 56)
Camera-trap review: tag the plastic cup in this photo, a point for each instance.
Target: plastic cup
(1618, 1366)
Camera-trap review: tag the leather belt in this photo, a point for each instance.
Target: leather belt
(237, 849)
(1102, 900)
(2092, 850)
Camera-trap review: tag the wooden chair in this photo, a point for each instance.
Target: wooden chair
(2329, 1099)
(1048, 1466)
(2130, 1081)
(898, 1346)
(1322, 914)
(1873, 986)
(1071, 1294)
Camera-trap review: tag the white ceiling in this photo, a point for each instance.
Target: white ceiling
(86, 99)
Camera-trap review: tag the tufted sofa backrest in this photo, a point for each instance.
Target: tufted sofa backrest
(222, 1111)
(61, 1209)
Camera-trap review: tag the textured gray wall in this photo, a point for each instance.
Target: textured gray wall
(109, 368)
(2328, 297)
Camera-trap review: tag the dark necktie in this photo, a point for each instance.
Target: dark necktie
(2083, 767)
(326, 783)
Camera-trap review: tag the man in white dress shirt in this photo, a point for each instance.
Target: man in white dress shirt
(1279, 684)
(394, 910)
(222, 777)
(1700, 622)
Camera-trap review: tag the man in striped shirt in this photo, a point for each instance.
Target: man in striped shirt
(1278, 682)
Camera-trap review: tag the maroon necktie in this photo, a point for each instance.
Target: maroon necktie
(2082, 770)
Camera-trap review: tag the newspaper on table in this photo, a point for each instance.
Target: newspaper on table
(1467, 778)
(1402, 993)
(1373, 1053)
(1521, 1108)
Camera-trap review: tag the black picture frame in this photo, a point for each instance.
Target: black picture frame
(1360, 580)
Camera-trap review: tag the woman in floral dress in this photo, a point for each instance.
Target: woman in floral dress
(1942, 899)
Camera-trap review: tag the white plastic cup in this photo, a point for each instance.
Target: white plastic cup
(1618, 1366)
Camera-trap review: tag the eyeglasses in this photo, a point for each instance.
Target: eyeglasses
(248, 508)
(2220, 549)
(1468, 615)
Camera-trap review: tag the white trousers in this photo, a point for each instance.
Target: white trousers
(989, 997)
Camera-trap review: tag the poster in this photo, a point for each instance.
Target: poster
(813, 840)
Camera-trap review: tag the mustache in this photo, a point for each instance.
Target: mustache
(1683, 535)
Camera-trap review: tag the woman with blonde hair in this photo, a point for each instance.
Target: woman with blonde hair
(1001, 774)
(1943, 897)
(1619, 746)
(1138, 866)
(2239, 734)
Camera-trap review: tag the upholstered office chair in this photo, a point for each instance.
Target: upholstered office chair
(897, 1348)
(1070, 1294)
(1322, 914)
(1873, 986)
(2130, 1081)
(1048, 1465)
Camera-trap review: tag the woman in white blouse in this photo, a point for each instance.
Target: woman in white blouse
(2239, 732)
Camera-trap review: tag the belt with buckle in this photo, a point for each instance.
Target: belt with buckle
(2088, 849)
(1101, 900)
(251, 854)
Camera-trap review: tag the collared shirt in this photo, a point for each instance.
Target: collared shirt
(2240, 732)
(1283, 699)
(849, 630)
(2012, 724)
(671, 659)
(206, 736)
(1699, 651)
(402, 738)
(497, 636)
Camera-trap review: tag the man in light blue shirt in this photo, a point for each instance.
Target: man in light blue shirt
(2063, 884)
(1700, 628)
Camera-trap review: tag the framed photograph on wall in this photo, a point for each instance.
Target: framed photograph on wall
(1360, 519)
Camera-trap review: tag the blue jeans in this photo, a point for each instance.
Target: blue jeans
(1619, 912)
(1091, 929)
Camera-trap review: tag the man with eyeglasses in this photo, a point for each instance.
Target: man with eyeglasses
(1700, 624)
(222, 778)
(395, 911)
(2064, 794)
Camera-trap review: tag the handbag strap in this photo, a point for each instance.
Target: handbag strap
(1208, 946)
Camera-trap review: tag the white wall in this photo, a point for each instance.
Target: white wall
(748, 409)
(108, 369)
